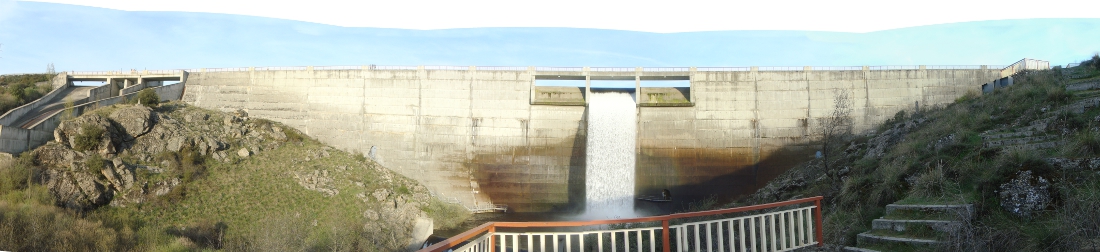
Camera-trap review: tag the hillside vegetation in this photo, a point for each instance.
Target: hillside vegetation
(1025, 156)
(16, 90)
(175, 177)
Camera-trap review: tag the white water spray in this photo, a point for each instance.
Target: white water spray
(609, 169)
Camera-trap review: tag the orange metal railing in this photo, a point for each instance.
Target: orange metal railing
(490, 229)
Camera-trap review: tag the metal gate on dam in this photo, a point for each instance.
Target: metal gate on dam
(489, 134)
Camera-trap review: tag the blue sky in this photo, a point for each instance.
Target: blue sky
(84, 38)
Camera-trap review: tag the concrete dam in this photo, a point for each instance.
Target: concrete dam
(489, 134)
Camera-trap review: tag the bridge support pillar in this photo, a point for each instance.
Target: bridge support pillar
(587, 86)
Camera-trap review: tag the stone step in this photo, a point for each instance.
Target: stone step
(1035, 146)
(1008, 135)
(1082, 105)
(1083, 86)
(902, 225)
(1017, 141)
(1074, 164)
(866, 238)
(855, 249)
(965, 211)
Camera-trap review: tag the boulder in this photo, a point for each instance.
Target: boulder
(244, 152)
(134, 121)
(1025, 194)
(67, 132)
(76, 190)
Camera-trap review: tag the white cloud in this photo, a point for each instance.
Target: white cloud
(638, 15)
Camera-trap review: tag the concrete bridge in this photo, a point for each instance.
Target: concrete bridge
(484, 135)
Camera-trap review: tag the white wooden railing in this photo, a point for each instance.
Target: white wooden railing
(779, 228)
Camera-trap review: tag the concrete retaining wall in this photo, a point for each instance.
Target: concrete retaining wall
(14, 114)
(475, 135)
(103, 92)
(133, 88)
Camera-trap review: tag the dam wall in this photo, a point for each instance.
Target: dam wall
(482, 135)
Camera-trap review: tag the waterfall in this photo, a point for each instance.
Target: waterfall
(609, 169)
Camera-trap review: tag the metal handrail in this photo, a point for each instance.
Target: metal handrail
(723, 69)
(490, 228)
(1022, 64)
(837, 68)
(781, 68)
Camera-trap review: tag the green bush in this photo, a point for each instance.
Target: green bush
(34, 227)
(293, 135)
(147, 97)
(1095, 61)
(95, 164)
(89, 138)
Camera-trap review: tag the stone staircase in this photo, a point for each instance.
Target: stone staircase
(1031, 137)
(913, 227)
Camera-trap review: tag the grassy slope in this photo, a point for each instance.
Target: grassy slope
(913, 171)
(255, 203)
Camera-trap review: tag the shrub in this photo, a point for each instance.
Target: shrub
(95, 164)
(293, 135)
(89, 138)
(1058, 95)
(1086, 144)
(148, 97)
(1095, 61)
(34, 227)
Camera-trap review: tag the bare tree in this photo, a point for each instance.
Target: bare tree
(836, 126)
(49, 69)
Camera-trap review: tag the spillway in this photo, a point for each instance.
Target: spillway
(609, 170)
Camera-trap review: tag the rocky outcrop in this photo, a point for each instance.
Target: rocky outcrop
(142, 134)
(882, 142)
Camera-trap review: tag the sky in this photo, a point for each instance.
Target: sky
(98, 35)
(661, 16)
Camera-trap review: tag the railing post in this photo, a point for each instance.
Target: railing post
(492, 238)
(666, 245)
(817, 212)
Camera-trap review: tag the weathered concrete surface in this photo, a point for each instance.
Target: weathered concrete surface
(475, 135)
(551, 95)
(747, 127)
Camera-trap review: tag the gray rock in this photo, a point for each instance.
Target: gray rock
(244, 152)
(67, 132)
(240, 113)
(163, 187)
(134, 121)
(77, 190)
(1025, 194)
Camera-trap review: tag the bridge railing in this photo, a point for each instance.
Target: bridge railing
(1026, 63)
(781, 228)
(285, 68)
(781, 68)
(723, 69)
(559, 69)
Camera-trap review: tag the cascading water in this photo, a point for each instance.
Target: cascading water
(609, 170)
